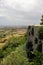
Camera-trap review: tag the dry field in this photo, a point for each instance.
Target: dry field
(10, 33)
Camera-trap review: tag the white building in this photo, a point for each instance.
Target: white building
(33, 36)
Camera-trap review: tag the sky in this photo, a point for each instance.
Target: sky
(20, 12)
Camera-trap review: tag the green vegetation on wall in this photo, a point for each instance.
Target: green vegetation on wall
(41, 32)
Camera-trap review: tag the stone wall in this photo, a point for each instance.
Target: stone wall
(32, 35)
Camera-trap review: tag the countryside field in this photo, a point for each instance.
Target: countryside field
(5, 34)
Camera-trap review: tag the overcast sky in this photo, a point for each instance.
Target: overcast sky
(20, 12)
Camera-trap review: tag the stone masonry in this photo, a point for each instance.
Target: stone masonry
(32, 35)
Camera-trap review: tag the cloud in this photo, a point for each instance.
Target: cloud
(21, 12)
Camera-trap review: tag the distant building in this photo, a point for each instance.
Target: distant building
(33, 37)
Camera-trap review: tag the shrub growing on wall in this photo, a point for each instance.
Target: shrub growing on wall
(41, 32)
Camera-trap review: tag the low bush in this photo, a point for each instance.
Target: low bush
(17, 57)
(11, 45)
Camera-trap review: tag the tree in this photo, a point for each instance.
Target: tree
(41, 20)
